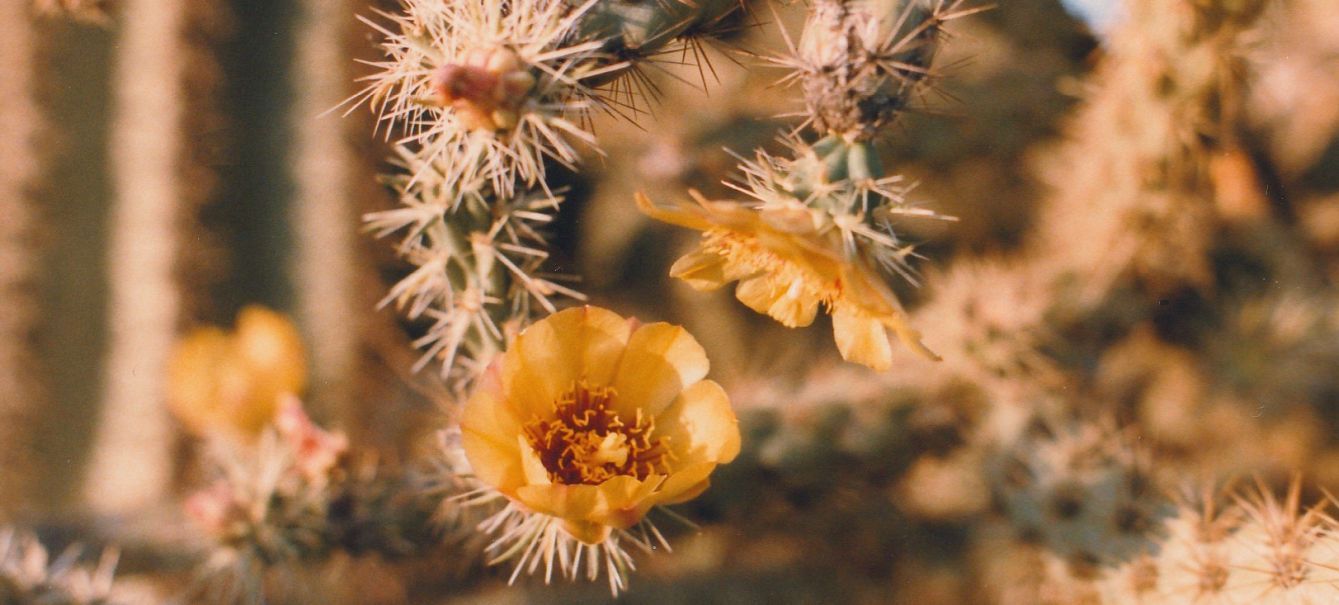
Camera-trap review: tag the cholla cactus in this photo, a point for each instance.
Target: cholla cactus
(991, 325)
(484, 94)
(1271, 349)
(1135, 188)
(1255, 548)
(475, 277)
(28, 575)
(271, 505)
(1108, 534)
(485, 88)
(819, 228)
(1082, 491)
(862, 63)
(20, 127)
(296, 497)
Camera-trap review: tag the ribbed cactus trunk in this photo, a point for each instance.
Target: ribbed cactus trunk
(20, 392)
(324, 213)
(130, 467)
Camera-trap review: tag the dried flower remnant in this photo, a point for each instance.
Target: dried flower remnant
(789, 260)
(486, 91)
(234, 382)
(315, 450)
(485, 87)
(860, 63)
(586, 423)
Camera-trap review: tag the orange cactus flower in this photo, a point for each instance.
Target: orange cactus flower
(234, 382)
(789, 260)
(593, 419)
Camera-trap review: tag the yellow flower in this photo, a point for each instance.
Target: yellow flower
(593, 419)
(234, 382)
(789, 259)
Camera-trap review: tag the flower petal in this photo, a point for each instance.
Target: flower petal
(582, 343)
(496, 463)
(626, 500)
(661, 359)
(703, 270)
(193, 382)
(861, 338)
(619, 502)
(682, 216)
(701, 425)
(587, 532)
(535, 473)
(488, 431)
(576, 502)
(685, 484)
(868, 292)
(488, 410)
(782, 301)
(272, 350)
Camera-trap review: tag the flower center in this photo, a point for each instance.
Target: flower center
(587, 442)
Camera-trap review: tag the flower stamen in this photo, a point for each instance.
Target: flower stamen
(747, 251)
(587, 442)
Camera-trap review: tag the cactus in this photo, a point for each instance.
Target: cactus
(1136, 183)
(297, 498)
(324, 212)
(486, 94)
(89, 11)
(861, 64)
(1176, 287)
(991, 319)
(144, 299)
(1082, 491)
(28, 575)
(858, 64)
(20, 390)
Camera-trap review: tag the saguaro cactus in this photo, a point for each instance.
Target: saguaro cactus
(130, 458)
(20, 391)
(324, 214)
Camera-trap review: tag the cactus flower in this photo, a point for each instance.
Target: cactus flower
(219, 381)
(788, 261)
(593, 419)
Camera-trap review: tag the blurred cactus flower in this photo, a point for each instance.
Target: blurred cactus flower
(590, 420)
(216, 509)
(789, 259)
(234, 382)
(315, 450)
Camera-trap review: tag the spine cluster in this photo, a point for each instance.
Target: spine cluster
(482, 98)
